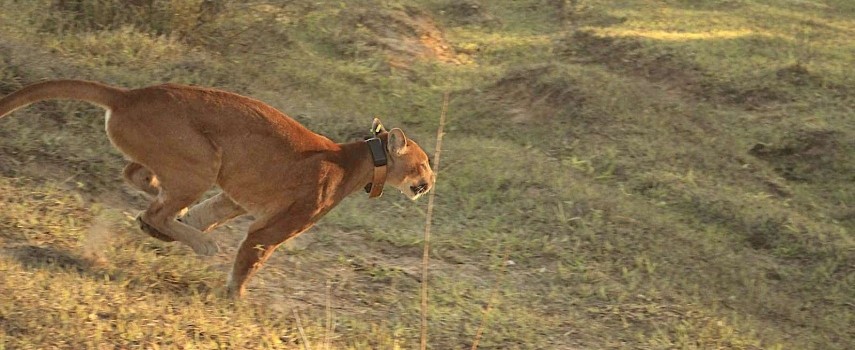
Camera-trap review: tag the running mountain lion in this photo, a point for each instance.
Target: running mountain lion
(182, 140)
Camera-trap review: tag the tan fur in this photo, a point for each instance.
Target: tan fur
(183, 140)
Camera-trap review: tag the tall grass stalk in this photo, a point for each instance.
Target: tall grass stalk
(428, 218)
(303, 338)
(494, 295)
(330, 331)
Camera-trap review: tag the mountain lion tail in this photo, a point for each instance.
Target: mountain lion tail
(100, 94)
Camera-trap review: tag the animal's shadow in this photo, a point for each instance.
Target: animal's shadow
(32, 257)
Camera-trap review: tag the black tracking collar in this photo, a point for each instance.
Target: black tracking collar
(378, 152)
(379, 158)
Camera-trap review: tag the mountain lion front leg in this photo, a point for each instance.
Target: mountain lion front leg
(262, 239)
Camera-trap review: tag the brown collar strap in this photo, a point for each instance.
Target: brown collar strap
(378, 157)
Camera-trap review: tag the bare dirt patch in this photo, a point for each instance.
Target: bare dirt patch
(808, 156)
(665, 65)
(404, 36)
(628, 55)
(533, 94)
(469, 12)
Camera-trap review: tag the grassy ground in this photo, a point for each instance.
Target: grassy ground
(662, 174)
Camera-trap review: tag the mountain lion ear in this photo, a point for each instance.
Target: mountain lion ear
(377, 127)
(397, 143)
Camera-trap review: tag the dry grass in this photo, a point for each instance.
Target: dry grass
(670, 175)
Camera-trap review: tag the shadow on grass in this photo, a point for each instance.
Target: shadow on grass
(32, 258)
(11, 328)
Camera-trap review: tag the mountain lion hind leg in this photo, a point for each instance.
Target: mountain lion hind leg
(212, 212)
(174, 196)
(141, 178)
